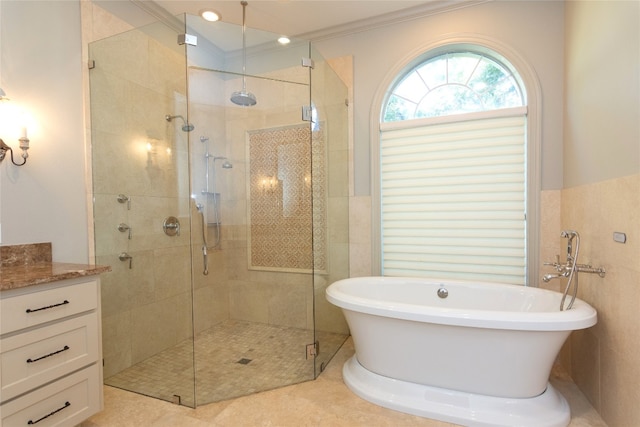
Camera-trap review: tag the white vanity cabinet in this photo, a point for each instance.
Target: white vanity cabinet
(50, 353)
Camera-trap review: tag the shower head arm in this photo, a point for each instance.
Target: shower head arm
(244, 46)
(187, 127)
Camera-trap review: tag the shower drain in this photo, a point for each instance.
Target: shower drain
(244, 361)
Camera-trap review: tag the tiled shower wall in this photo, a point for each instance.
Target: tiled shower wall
(137, 153)
(277, 297)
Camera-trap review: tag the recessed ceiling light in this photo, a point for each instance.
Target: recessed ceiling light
(210, 15)
(284, 40)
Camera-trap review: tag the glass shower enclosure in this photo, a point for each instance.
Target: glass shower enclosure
(223, 223)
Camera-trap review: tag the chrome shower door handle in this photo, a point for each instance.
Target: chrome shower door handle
(205, 260)
(171, 226)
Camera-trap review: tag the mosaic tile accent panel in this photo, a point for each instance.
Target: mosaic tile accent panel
(287, 193)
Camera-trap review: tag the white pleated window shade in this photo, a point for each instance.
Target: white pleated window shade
(453, 197)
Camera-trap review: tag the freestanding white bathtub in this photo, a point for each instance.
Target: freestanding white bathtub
(470, 353)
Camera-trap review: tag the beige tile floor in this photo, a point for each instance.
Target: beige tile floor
(323, 402)
(274, 356)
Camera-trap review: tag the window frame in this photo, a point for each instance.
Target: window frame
(532, 93)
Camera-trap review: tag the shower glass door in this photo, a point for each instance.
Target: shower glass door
(251, 183)
(140, 168)
(223, 223)
(330, 157)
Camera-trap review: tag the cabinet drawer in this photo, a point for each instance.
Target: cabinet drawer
(41, 355)
(31, 309)
(66, 402)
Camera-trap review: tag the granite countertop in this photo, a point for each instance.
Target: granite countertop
(45, 272)
(31, 264)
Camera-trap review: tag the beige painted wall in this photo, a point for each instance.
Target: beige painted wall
(534, 29)
(44, 201)
(602, 91)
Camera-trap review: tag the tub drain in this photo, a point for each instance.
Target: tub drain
(443, 292)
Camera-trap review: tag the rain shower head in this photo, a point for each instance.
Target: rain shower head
(242, 97)
(186, 127)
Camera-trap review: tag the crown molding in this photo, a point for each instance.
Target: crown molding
(417, 12)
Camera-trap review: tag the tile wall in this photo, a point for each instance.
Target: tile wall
(604, 358)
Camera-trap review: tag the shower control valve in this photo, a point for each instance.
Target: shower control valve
(124, 199)
(126, 257)
(122, 227)
(171, 226)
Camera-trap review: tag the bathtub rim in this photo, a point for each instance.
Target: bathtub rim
(581, 316)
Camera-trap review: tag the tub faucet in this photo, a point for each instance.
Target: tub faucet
(571, 267)
(563, 270)
(548, 277)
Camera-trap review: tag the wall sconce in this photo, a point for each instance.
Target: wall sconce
(24, 146)
(24, 141)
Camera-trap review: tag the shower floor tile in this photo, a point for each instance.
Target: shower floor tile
(231, 359)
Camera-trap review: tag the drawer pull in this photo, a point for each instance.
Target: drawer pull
(66, 347)
(66, 405)
(47, 307)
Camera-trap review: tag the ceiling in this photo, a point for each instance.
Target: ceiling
(308, 19)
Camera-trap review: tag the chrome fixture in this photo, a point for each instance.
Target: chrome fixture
(225, 165)
(124, 199)
(24, 146)
(242, 97)
(171, 226)
(126, 257)
(571, 267)
(24, 141)
(122, 227)
(443, 292)
(186, 127)
(210, 191)
(205, 259)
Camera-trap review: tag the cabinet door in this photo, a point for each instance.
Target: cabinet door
(38, 356)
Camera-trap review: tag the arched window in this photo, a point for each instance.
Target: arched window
(453, 83)
(453, 170)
